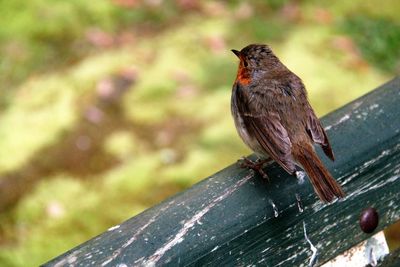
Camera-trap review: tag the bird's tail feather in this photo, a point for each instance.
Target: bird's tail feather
(324, 184)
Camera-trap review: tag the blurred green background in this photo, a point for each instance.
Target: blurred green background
(107, 108)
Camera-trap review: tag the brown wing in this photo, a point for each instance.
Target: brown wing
(317, 133)
(265, 126)
(273, 138)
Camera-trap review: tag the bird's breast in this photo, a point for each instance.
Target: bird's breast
(238, 118)
(243, 76)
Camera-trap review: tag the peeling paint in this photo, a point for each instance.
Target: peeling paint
(113, 228)
(299, 204)
(189, 224)
(70, 260)
(373, 106)
(275, 208)
(214, 249)
(314, 250)
(341, 120)
(372, 161)
(300, 177)
(135, 236)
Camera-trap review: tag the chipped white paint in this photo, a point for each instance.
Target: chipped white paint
(351, 177)
(341, 120)
(314, 250)
(357, 104)
(189, 224)
(113, 228)
(367, 252)
(138, 260)
(289, 259)
(363, 115)
(126, 244)
(373, 106)
(372, 187)
(300, 176)
(261, 261)
(327, 228)
(70, 260)
(275, 208)
(372, 184)
(372, 161)
(135, 236)
(214, 249)
(319, 205)
(327, 243)
(265, 250)
(299, 204)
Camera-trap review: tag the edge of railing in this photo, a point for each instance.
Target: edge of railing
(236, 218)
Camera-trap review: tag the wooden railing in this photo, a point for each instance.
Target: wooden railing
(235, 218)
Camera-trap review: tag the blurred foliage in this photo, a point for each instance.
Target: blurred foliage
(378, 40)
(40, 35)
(109, 108)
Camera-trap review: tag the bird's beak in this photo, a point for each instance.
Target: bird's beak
(237, 53)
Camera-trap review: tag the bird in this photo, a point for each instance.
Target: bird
(274, 118)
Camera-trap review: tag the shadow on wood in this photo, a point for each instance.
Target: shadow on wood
(235, 218)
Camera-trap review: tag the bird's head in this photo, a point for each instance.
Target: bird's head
(254, 58)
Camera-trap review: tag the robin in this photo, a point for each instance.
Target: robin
(274, 118)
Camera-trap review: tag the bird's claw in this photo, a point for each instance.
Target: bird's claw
(254, 165)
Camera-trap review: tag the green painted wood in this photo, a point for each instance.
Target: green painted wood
(235, 218)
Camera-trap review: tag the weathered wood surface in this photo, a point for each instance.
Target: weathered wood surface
(235, 218)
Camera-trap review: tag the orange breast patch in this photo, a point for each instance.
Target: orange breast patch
(243, 75)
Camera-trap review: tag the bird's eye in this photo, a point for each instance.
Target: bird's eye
(245, 63)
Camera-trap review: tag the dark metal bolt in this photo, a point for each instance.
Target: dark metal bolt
(369, 220)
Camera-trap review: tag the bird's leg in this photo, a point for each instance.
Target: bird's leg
(254, 165)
